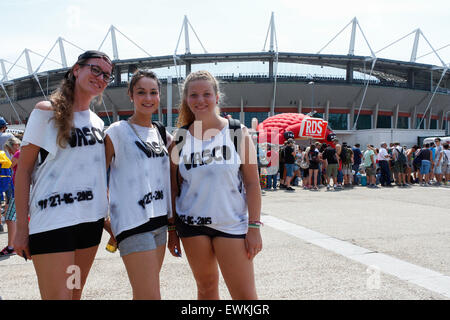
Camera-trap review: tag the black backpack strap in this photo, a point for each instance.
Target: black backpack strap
(42, 155)
(235, 133)
(162, 130)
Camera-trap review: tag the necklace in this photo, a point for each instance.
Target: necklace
(156, 147)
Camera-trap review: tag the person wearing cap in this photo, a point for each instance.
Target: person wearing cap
(63, 157)
(4, 136)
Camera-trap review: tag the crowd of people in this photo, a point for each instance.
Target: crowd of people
(338, 166)
(146, 187)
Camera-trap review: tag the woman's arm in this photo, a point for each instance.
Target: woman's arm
(27, 160)
(109, 154)
(253, 191)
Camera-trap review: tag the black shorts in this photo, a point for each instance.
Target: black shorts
(80, 236)
(184, 231)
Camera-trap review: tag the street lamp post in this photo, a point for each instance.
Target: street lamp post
(311, 83)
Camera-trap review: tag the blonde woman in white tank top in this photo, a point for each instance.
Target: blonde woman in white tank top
(215, 226)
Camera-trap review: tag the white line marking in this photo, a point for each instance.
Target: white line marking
(423, 277)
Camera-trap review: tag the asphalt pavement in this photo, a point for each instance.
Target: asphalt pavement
(353, 244)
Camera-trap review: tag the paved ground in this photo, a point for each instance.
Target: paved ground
(389, 243)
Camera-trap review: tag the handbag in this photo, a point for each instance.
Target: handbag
(304, 164)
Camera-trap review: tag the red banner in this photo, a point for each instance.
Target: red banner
(313, 128)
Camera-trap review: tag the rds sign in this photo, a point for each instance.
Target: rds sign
(313, 128)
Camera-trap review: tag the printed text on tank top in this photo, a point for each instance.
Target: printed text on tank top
(86, 136)
(153, 149)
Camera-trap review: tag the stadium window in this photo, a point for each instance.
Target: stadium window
(174, 119)
(338, 121)
(384, 122)
(403, 123)
(234, 115)
(261, 116)
(433, 124)
(124, 117)
(422, 125)
(364, 121)
(106, 120)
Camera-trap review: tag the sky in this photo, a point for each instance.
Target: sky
(222, 26)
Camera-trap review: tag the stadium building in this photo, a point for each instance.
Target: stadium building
(365, 99)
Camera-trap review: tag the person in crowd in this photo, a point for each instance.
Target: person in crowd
(410, 154)
(12, 146)
(5, 183)
(383, 161)
(282, 166)
(289, 160)
(313, 161)
(331, 160)
(297, 172)
(357, 159)
(63, 157)
(305, 169)
(218, 225)
(272, 168)
(399, 163)
(370, 165)
(319, 172)
(346, 157)
(4, 136)
(426, 157)
(446, 163)
(432, 149)
(417, 161)
(438, 161)
(136, 152)
(340, 175)
(322, 165)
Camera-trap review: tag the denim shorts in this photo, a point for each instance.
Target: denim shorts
(438, 169)
(145, 241)
(425, 167)
(289, 170)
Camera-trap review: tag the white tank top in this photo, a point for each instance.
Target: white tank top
(139, 185)
(69, 186)
(212, 192)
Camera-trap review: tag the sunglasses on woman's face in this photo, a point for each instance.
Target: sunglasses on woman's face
(96, 71)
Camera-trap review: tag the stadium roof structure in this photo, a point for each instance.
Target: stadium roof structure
(395, 73)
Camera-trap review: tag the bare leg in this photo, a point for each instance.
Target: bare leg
(202, 260)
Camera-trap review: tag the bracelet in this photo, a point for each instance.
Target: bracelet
(171, 228)
(256, 223)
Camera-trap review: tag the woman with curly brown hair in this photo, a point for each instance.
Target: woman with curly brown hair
(63, 161)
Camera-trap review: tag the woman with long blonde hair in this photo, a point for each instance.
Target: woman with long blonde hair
(216, 196)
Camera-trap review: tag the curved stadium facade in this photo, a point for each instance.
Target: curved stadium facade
(403, 101)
